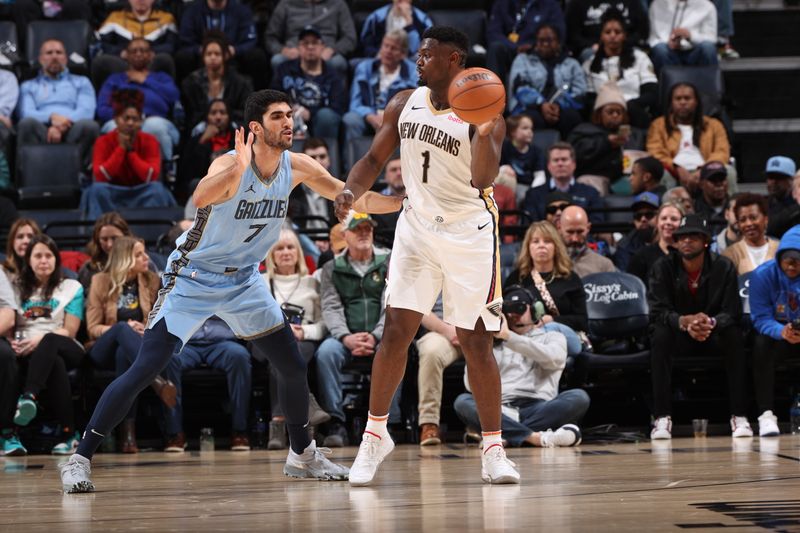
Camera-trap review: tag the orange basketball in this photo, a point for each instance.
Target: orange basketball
(477, 95)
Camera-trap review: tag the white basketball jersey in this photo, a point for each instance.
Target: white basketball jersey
(436, 154)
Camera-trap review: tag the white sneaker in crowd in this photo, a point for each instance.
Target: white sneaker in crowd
(566, 435)
(662, 428)
(740, 427)
(768, 425)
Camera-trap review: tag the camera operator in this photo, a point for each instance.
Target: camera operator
(774, 297)
(531, 362)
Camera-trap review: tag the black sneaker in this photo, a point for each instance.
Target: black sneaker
(337, 436)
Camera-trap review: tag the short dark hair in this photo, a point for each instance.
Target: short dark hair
(749, 198)
(652, 166)
(452, 36)
(315, 142)
(561, 145)
(135, 39)
(258, 103)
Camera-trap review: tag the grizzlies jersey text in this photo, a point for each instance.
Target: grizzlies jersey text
(239, 232)
(436, 155)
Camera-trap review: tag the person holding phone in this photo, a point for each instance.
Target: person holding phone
(297, 292)
(599, 144)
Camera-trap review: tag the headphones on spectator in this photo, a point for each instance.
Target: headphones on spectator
(518, 308)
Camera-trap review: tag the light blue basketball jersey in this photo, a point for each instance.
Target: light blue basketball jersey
(238, 233)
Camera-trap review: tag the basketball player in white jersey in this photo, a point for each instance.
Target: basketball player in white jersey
(446, 240)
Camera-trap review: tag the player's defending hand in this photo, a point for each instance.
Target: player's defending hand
(487, 127)
(244, 148)
(343, 203)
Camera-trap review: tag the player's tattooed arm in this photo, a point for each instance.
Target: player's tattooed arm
(365, 171)
(487, 144)
(306, 169)
(224, 174)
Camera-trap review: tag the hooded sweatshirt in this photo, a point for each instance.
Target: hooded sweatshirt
(774, 298)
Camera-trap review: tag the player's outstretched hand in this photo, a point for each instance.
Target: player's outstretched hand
(244, 148)
(343, 203)
(487, 127)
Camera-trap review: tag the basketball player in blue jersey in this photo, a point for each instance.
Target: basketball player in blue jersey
(241, 205)
(446, 241)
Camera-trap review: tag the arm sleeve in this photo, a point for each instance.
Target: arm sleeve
(762, 304)
(163, 85)
(107, 159)
(731, 310)
(87, 100)
(339, 94)
(578, 85)
(274, 36)
(245, 31)
(657, 142)
(708, 28)
(146, 159)
(368, 39)
(75, 305)
(95, 316)
(548, 350)
(494, 30)
(360, 83)
(332, 307)
(315, 331)
(104, 112)
(377, 331)
(27, 103)
(9, 93)
(347, 32)
(721, 148)
(660, 298)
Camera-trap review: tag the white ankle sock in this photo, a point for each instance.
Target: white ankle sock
(307, 454)
(376, 426)
(491, 438)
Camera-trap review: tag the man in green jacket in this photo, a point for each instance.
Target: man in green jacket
(352, 308)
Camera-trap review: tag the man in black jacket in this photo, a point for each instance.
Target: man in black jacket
(695, 309)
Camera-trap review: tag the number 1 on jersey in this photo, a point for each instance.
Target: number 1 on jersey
(426, 155)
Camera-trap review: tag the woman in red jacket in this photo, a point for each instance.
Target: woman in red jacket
(126, 163)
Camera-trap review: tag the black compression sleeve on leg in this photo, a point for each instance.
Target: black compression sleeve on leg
(284, 355)
(158, 345)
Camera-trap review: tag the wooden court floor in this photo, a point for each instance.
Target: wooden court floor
(714, 484)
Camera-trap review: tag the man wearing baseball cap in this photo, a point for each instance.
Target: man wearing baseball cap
(779, 174)
(351, 290)
(645, 205)
(695, 310)
(713, 195)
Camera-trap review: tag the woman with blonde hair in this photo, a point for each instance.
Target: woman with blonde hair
(120, 299)
(297, 292)
(107, 228)
(668, 218)
(19, 236)
(545, 269)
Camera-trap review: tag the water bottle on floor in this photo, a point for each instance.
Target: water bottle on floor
(794, 415)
